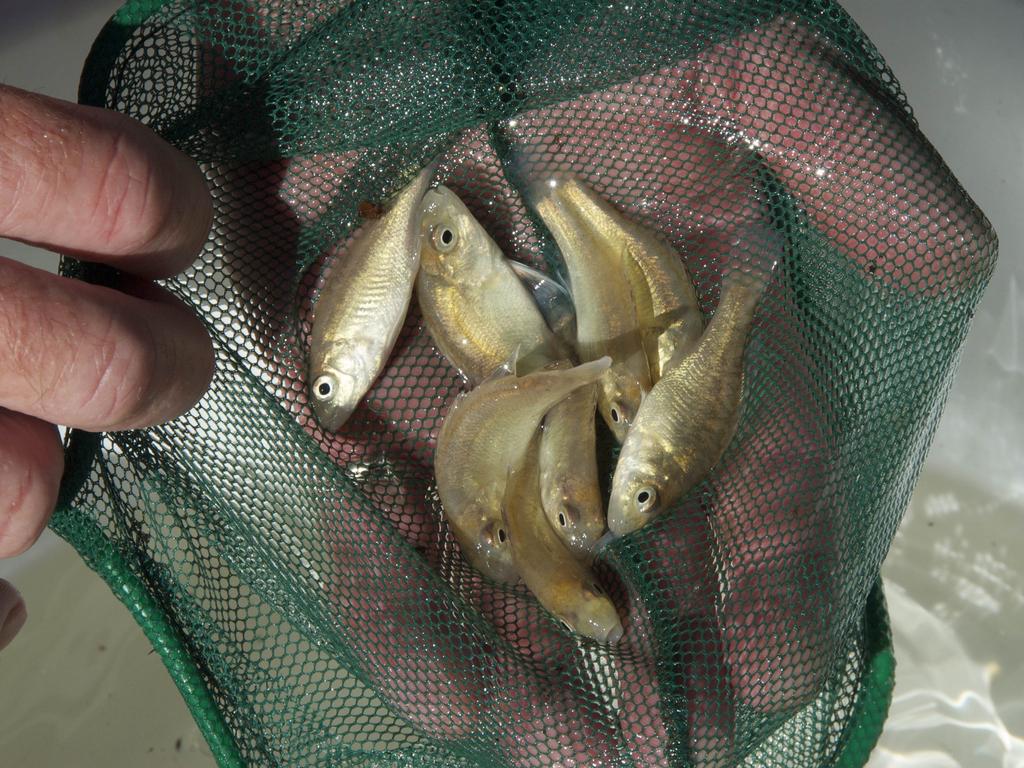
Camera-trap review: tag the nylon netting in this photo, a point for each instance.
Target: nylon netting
(304, 587)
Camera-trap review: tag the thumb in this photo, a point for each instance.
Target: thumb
(12, 613)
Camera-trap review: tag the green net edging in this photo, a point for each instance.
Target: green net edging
(875, 696)
(101, 556)
(861, 734)
(248, 627)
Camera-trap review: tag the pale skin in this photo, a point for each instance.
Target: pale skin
(103, 187)
(83, 216)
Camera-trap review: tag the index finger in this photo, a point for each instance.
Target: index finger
(99, 185)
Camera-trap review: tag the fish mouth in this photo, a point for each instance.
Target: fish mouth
(333, 419)
(620, 525)
(608, 537)
(614, 634)
(432, 198)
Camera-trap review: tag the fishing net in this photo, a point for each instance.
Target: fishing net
(305, 590)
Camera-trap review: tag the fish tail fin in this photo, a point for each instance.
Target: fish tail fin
(743, 290)
(588, 373)
(553, 386)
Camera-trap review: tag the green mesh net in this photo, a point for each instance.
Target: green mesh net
(304, 588)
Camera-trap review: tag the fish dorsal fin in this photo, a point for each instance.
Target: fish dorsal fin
(649, 346)
(509, 471)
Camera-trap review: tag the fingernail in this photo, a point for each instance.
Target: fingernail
(12, 623)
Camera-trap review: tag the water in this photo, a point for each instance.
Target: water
(956, 599)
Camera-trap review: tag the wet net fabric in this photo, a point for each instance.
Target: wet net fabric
(304, 588)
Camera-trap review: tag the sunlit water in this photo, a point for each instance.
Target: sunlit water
(956, 599)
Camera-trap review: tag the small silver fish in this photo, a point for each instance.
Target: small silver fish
(606, 318)
(477, 310)
(362, 307)
(561, 583)
(667, 307)
(569, 483)
(484, 433)
(688, 418)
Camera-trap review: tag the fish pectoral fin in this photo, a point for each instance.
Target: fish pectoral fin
(649, 346)
(552, 298)
(508, 368)
(505, 499)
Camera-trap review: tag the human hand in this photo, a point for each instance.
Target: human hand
(99, 186)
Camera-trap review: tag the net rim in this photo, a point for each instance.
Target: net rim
(859, 737)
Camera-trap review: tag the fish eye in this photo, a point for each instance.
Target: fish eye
(617, 414)
(323, 387)
(646, 498)
(443, 238)
(561, 519)
(502, 536)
